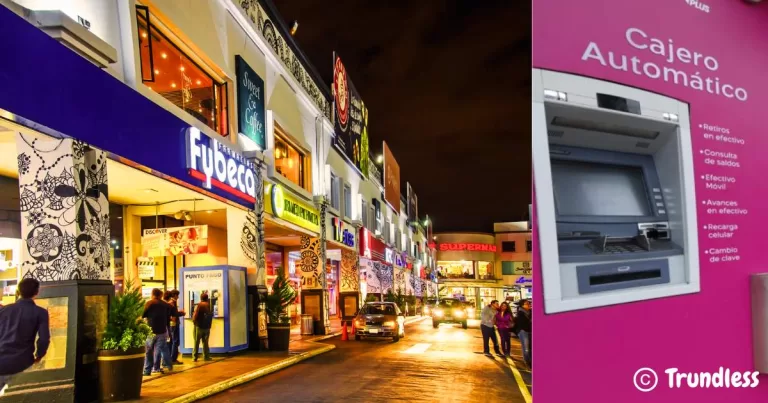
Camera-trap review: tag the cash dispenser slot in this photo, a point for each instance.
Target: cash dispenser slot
(616, 276)
(609, 244)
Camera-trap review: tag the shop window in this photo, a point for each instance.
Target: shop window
(508, 246)
(364, 213)
(168, 71)
(372, 220)
(508, 268)
(347, 201)
(290, 162)
(528, 246)
(461, 269)
(335, 192)
(485, 270)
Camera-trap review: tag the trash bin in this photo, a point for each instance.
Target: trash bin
(307, 325)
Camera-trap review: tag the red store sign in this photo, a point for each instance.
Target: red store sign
(471, 247)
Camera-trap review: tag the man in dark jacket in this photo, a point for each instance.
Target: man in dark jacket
(158, 315)
(523, 328)
(171, 297)
(202, 318)
(20, 323)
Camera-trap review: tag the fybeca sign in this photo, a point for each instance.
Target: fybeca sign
(284, 205)
(215, 164)
(343, 233)
(250, 103)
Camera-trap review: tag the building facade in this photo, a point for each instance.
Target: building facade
(163, 140)
(513, 255)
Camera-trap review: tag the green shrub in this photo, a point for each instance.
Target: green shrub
(124, 326)
(280, 298)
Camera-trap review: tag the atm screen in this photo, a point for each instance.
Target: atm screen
(593, 189)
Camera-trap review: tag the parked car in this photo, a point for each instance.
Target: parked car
(380, 319)
(449, 310)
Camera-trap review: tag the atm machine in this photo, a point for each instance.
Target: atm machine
(615, 198)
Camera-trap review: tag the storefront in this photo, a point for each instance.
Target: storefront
(376, 268)
(466, 267)
(342, 267)
(291, 224)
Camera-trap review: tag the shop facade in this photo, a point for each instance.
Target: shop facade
(513, 255)
(466, 267)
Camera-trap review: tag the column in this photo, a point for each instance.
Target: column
(322, 206)
(252, 234)
(64, 210)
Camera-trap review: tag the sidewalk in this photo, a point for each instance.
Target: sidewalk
(196, 380)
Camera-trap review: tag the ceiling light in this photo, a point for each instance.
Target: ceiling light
(182, 68)
(120, 217)
(187, 217)
(157, 71)
(114, 241)
(379, 159)
(209, 211)
(197, 82)
(164, 55)
(178, 215)
(143, 34)
(173, 85)
(150, 191)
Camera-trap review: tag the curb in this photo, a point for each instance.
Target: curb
(249, 376)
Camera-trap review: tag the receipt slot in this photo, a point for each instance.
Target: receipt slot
(614, 181)
(759, 292)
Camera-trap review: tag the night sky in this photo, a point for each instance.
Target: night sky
(447, 85)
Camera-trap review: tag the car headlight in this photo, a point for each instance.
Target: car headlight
(360, 323)
(458, 313)
(438, 312)
(389, 323)
(426, 310)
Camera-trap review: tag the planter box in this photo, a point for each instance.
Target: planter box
(279, 336)
(120, 374)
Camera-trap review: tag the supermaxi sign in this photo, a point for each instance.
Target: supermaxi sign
(218, 166)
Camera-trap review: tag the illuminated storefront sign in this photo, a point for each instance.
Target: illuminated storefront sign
(394, 258)
(343, 233)
(284, 205)
(365, 243)
(215, 164)
(470, 247)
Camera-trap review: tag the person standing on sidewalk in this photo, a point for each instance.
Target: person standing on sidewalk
(202, 318)
(487, 321)
(504, 322)
(20, 323)
(172, 298)
(523, 327)
(158, 315)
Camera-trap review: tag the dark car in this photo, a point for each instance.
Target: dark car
(380, 319)
(449, 310)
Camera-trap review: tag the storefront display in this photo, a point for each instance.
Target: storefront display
(281, 203)
(225, 287)
(457, 270)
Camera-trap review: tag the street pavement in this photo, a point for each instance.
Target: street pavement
(428, 365)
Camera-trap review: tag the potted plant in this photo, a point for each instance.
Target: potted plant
(279, 324)
(121, 358)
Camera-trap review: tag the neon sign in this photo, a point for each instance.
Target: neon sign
(341, 232)
(523, 280)
(471, 247)
(217, 165)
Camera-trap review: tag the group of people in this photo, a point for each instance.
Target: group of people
(499, 316)
(162, 314)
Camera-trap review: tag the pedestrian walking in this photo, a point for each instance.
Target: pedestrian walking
(523, 328)
(20, 323)
(487, 322)
(172, 298)
(158, 315)
(504, 322)
(202, 318)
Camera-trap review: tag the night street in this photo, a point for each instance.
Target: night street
(429, 365)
